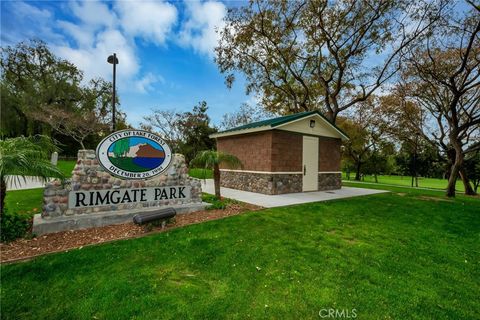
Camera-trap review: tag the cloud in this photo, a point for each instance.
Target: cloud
(102, 30)
(145, 84)
(93, 13)
(92, 59)
(16, 14)
(199, 29)
(149, 20)
(93, 30)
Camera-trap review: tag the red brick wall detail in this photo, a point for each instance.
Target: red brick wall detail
(278, 151)
(286, 151)
(253, 150)
(329, 154)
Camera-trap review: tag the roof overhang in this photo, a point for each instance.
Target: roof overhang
(284, 126)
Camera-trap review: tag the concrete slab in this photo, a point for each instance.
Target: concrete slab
(270, 201)
(85, 221)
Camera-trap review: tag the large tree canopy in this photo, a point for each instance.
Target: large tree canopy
(42, 93)
(442, 75)
(318, 54)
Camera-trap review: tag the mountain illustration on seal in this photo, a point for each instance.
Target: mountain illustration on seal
(136, 154)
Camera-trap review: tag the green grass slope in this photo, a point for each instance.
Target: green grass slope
(406, 254)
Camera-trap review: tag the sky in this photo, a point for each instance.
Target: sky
(165, 49)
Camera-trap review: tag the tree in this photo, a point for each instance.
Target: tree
(195, 129)
(42, 93)
(121, 147)
(32, 77)
(442, 74)
(21, 157)
(399, 118)
(186, 132)
(472, 166)
(166, 124)
(210, 159)
(366, 132)
(310, 55)
(245, 115)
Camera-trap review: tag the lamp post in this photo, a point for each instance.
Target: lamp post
(112, 59)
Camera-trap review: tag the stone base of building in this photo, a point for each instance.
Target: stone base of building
(45, 225)
(329, 181)
(268, 183)
(265, 183)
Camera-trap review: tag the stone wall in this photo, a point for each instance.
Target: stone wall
(262, 182)
(88, 175)
(267, 183)
(329, 181)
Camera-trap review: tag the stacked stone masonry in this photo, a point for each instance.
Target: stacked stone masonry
(88, 175)
(329, 181)
(261, 182)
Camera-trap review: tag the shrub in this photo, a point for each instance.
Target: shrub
(13, 226)
(216, 203)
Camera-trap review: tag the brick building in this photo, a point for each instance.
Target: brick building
(295, 153)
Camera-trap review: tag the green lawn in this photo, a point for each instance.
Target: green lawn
(66, 166)
(432, 183)
(407, 254)
(30, 200)
(200, 173)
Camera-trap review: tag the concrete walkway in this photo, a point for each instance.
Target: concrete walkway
(270, 201)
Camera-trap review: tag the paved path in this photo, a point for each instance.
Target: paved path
(270, 201)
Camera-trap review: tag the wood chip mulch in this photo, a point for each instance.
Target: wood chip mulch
(24, 249)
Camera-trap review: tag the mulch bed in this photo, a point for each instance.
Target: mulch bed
(23, 249)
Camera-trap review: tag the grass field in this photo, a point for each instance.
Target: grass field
(407, 181)
(66, 166)
(406, 254)
(200, 173)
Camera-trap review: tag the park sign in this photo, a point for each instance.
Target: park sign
(134, 154)
(94, 198)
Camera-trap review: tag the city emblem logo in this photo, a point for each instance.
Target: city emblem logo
(134, 154)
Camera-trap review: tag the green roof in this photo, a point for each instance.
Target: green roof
(274, 122)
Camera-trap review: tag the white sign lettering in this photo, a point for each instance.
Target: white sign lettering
(95, 198)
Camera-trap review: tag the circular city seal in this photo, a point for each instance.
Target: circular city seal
(134, 154)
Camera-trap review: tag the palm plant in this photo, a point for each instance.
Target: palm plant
(25, 156)
(211, 159)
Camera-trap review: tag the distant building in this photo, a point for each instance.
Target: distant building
(294, 153)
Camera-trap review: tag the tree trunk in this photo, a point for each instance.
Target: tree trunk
(216, 180)
(357, 174)
(452, 180)
(3, 193)
(455, 169)
(466, 183)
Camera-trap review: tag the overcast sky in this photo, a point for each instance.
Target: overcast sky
(165, 49)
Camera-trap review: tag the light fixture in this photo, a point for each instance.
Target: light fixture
(112, 59)
(312, 123)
